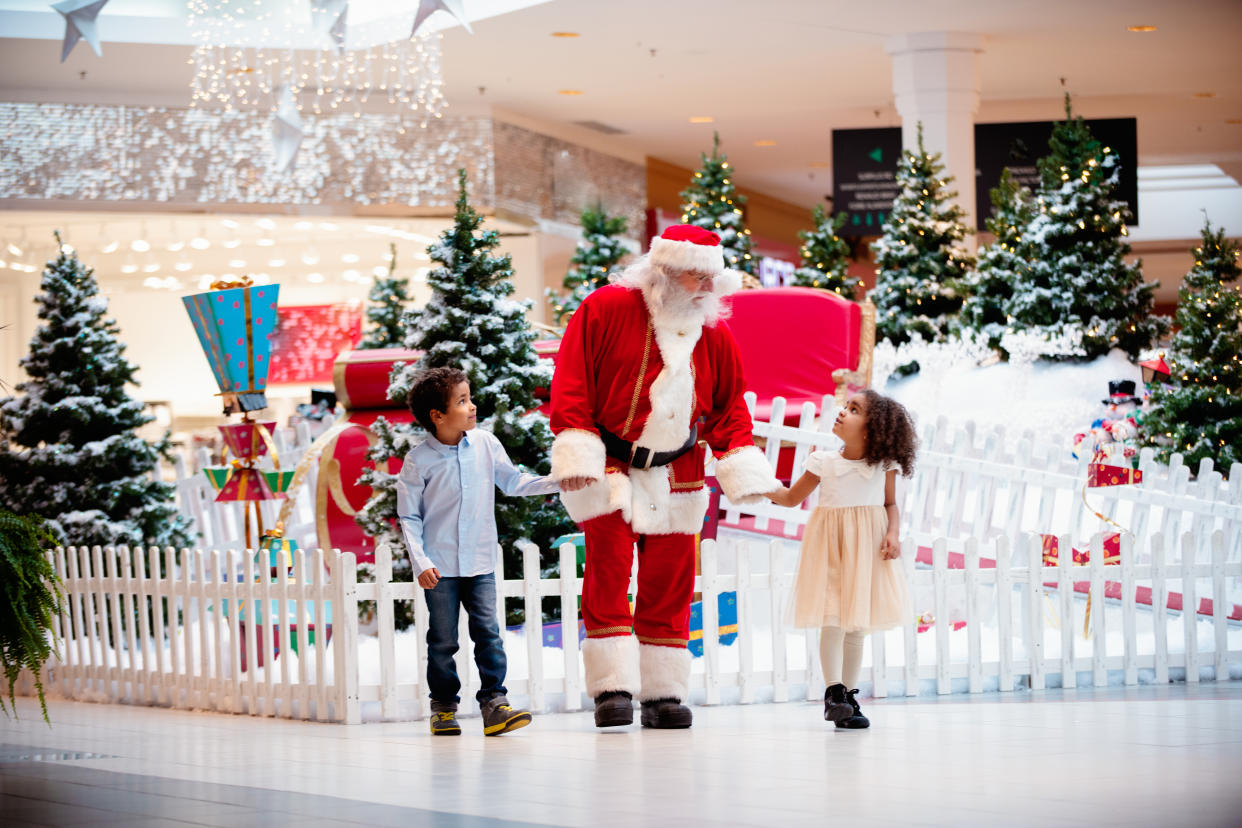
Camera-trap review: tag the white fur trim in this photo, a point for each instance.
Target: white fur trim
(686, 255)
(657, 511)
(745, 475)
(730, 281)
(672, 392)
(577, 453)
(611, 494)
(611, 664)
(665, 672)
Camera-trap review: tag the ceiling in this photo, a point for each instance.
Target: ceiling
(782, 71)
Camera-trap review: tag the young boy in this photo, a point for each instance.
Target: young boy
(446, 502)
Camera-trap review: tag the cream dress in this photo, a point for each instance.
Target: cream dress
(842, 581)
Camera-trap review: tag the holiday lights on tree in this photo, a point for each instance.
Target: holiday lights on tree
(920, 260)
(825, 256)
(598, 252)
(1199, 412)
(713, 203)
(1076, 273)
(1001, 264)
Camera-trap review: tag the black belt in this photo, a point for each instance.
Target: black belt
(640, 457)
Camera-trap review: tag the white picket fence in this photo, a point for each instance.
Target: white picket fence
(151, 626)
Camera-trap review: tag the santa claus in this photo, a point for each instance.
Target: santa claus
(647, 375)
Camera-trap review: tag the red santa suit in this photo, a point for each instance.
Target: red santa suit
(624, 371)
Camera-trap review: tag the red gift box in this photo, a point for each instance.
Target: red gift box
(1101, 474)
(1112, 551)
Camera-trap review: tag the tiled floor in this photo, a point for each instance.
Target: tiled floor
(1139, 756)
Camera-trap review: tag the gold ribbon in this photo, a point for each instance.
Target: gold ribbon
(304, 466)
(229, 284)
(1086, 621)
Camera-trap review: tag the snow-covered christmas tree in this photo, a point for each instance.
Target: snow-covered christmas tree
(598, 252)
(1002, 263)
(825, 256)
(69, 451)
(471, 322)
(1200, 412)
(1077, 274)
(920, 260)
(713, 202)
(388, 296)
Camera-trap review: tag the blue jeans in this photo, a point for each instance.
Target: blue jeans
(478, 595)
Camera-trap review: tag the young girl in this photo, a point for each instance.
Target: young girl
(850, 581)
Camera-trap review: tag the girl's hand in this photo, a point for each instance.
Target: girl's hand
(890, 547)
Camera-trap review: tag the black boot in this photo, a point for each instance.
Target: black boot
(669, 714)
(856, 721)
(837, 705)
(614, 708)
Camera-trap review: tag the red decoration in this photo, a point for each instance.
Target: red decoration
(691, 233)
(309, 337)
(1101, 474)
(1112, 551)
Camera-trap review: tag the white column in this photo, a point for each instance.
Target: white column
(936, 82)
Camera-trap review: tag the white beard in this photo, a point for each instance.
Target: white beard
(671, 305)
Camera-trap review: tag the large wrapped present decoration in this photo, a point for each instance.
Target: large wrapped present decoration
(1082, 557)
(726, 630)
(234, 322)
(338, 456)
(1111, 469)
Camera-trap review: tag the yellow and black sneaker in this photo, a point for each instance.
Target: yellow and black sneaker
(499, 717)
(444, 720)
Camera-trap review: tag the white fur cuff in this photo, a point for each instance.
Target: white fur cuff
(665, 672)
(612, 494)
(745, 475)
(611, 664)
(577, 453)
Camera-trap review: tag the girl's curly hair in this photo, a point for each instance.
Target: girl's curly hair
(889, 433)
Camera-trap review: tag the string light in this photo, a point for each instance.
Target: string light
(232, 72)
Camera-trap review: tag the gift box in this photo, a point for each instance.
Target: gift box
(275, 555)
(1102, 474)
(278, 481)
(726, 605)
(217, 476)
(245, 484)
(1082, 557)
(246, 441)
(235, 327)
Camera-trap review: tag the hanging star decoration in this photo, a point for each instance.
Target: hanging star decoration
(330, 17)
(287, 131)
(79, 23)
(426, 8)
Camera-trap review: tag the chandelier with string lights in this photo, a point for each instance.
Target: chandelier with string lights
(285, 55)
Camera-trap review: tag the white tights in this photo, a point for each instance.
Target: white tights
(840, 653)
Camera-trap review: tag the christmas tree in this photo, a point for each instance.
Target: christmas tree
(389, 296)
(1077, 274)
(920, 261)
(825, 256)
(598, 252)
(712, 201)
(69, 451)
(471, 323)
(1200, 413)
(1002, 264)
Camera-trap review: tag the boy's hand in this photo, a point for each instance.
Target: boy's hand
(429, 578)
(890, 547)
(573, 484)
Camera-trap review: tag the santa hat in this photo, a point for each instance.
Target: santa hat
(687, 247)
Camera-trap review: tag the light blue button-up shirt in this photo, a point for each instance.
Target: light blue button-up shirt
(446, 502)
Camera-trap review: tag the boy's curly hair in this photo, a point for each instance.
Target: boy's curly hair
(433, 389)
(889, 433)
